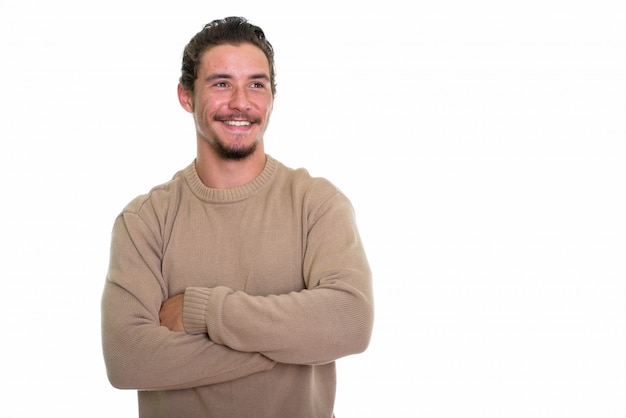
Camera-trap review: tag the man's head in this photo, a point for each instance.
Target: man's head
(227, 83)
(230, 30)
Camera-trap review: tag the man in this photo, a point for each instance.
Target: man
(234, 287)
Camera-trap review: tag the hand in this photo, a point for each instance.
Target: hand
(171, 313)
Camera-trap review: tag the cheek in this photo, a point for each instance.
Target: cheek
(204, 111)
(269, 106)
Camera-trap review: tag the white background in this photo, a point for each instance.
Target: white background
(481, 142)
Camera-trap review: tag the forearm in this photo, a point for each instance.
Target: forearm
(140, 354)
(308, 327)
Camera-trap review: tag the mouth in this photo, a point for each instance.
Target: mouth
(237, 122)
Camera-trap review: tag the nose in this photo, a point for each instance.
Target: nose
(239, 99)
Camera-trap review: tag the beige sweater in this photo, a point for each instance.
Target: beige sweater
(277, 287)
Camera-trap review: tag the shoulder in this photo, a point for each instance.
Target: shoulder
(301, 179)
(314, 191)
(157, 199)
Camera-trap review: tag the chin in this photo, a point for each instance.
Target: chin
(236, 153)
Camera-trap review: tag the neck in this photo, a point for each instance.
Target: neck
(219, 173)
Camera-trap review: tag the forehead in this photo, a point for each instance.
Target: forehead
(234, 59)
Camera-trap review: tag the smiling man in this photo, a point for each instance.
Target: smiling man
(234, 287)
(231, 101)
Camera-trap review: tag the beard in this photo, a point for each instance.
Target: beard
(232, 153)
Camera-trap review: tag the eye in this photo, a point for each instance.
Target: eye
(257, 85)
(221, 84)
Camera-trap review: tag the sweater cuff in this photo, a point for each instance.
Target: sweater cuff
(194, 309)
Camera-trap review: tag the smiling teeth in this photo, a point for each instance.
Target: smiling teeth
(237, 122)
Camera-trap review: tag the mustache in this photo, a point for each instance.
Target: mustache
(237, 116)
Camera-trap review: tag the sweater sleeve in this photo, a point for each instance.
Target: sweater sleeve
(331, 318)
(138, 352)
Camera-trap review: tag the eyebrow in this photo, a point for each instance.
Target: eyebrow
(216, 76)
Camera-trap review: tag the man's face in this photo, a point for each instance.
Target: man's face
(232, 101)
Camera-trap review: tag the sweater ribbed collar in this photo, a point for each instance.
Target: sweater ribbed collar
(234, 194)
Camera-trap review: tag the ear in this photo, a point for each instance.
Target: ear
(185, 97)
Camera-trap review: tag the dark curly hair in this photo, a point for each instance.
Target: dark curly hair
(230, 30)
